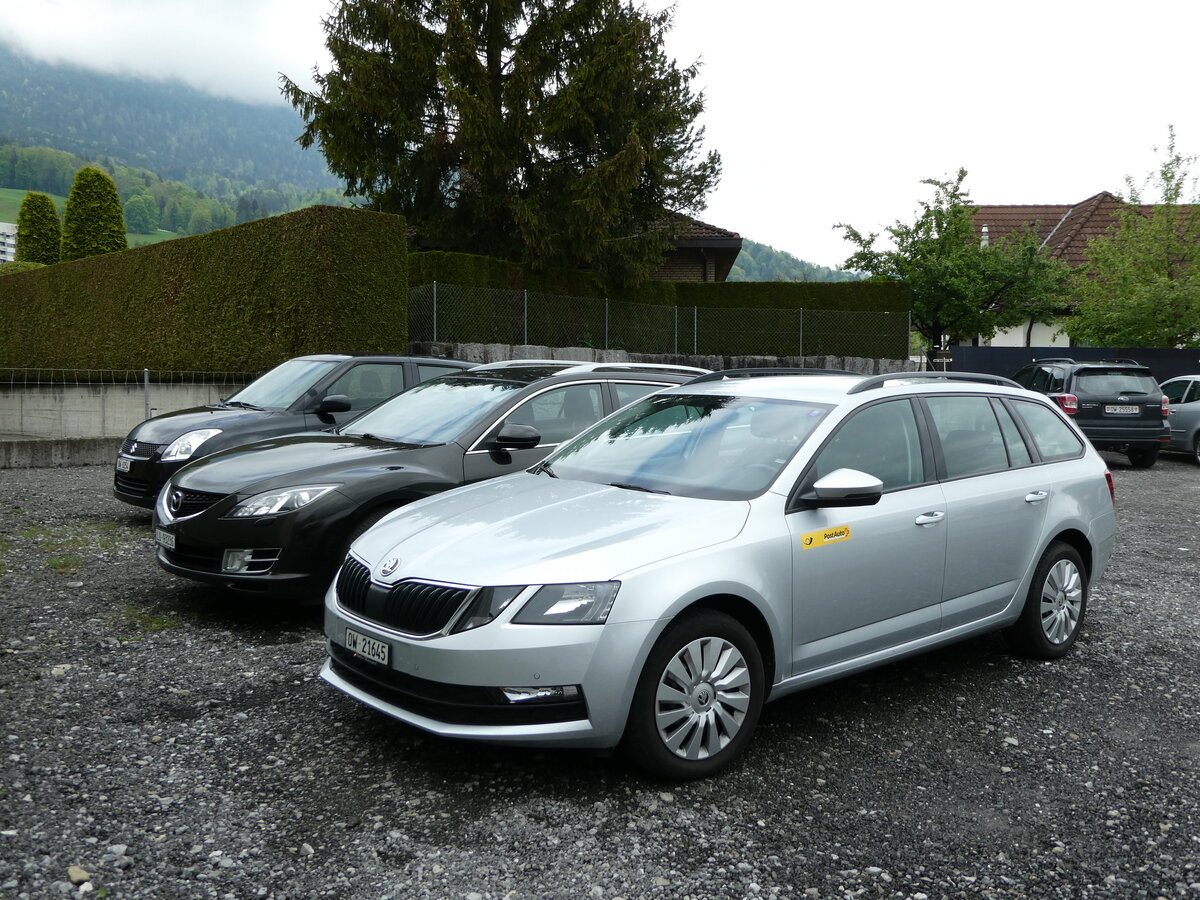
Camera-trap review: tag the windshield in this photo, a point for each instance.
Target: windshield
(435, 412)
(284, 384)
(711, 447)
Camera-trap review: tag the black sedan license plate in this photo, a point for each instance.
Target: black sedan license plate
(367, 647)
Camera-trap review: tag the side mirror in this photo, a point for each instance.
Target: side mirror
(516, 437)
(334, 403)
(844, 487)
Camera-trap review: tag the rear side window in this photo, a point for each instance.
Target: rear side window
(627, 392)
(1052, 436)
(1115, 381)
(1018, 453)
(972, 442)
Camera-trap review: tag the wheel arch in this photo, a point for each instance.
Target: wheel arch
(750, 617)
(1079, 541)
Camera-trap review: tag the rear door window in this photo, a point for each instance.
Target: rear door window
(970, 435)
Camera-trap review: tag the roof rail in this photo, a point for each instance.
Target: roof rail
(976, 377)
(637, 367)
(1121, 359)
(1053, 359)
(766, 372)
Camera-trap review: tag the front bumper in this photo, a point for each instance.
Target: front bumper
(306, 547)
(140, 484)
(449, 685)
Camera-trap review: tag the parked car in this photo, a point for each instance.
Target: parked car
(1183, 397)
(302, 394)
(719, 544)
(276, 516)
(1116, 402)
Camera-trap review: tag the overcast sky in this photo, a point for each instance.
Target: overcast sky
(822, 112)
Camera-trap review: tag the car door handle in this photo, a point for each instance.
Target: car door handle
(930, 518)
(1036, 496)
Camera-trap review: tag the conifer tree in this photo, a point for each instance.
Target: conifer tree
(93, 223)
(546, 132)
(38, 230)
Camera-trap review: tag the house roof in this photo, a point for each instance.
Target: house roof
(1064, 229)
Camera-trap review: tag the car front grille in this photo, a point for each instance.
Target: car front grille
(413, 607)
(191, 502)
(141, 449)
(450, 703)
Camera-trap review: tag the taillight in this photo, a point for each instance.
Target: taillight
(1112, 488)
(1166, 405)
(1068, 402)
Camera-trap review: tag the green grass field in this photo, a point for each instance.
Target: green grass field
(10, 205)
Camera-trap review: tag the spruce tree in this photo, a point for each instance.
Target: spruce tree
(93, 223)
(38, 230)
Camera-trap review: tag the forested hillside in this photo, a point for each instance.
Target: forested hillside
(758, 262)
(165, 127)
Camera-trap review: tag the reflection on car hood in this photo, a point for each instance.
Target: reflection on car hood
(307, 458)
(165, 428)
(531, 529)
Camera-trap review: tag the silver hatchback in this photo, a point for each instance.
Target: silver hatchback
(720, 544)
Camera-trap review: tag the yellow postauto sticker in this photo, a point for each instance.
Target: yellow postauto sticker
(825, 536)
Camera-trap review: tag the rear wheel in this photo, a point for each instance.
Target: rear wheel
(1054, 606)
(1196, 449)
(698, 698)
(1142, 457)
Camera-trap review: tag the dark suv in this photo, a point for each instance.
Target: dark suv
(1117, 403)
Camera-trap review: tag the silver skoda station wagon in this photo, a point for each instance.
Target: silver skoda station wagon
(653, 582)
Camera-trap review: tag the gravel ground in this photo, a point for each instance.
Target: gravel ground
(163, 741)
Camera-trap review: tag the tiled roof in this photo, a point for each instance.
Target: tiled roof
(692, 232)
(1064, 230)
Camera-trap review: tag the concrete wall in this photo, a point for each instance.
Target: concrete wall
(94, 410)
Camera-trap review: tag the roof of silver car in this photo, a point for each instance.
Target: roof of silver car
(571, 367)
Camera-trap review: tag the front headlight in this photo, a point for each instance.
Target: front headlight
(488, 603)
(569, 604)
(187, 444)
(281, 501)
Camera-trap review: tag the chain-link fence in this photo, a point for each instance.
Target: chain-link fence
(456, 314)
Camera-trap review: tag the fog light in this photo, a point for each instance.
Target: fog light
(249, 562)
(236, 560)
(549, 693)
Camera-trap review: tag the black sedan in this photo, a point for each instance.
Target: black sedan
(302, 394)
(276, 516)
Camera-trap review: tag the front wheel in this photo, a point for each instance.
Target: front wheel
(1054, 607)
(1142, 457)
(1196, 449)
(698, 698)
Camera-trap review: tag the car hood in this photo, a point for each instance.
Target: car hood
(165, 428)
(531, 529)
(308, 458)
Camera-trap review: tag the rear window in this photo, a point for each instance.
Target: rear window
(1052, 436)
(1115, 381)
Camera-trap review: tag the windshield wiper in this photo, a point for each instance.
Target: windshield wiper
(240, 403)
(543, 468)
(637, 487)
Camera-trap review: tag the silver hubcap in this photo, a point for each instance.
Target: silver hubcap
(1062, 601)
(702, 698)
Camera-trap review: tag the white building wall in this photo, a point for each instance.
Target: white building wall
(1040, 336)
(8, 242)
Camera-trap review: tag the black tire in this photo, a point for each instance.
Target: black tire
(1196, 449)
(1054, 607)
(1142, 457)
(361, 526)
(713, 719)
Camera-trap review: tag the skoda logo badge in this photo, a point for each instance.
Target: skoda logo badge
(175, 501)
(390, 566)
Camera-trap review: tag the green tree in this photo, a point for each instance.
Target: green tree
(546, 132)
(93, 223)
(141, 214)
(960, 288)
(38, 230)
(1140, 284)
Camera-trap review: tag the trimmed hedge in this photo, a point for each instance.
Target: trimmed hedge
(323, 279)
(20, 265)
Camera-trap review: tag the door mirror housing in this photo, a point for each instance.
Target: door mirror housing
(334, 403)
(516, 437)
(843, 487)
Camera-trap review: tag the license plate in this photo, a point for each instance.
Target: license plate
(1122, 410)
(368, 647)
(122, 464)
(164, 539)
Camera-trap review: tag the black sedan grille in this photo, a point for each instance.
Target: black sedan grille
(191, 502)
(413, 607)
(141, 449)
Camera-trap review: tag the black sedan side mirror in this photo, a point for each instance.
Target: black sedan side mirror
(334, 403)
(516, 437)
